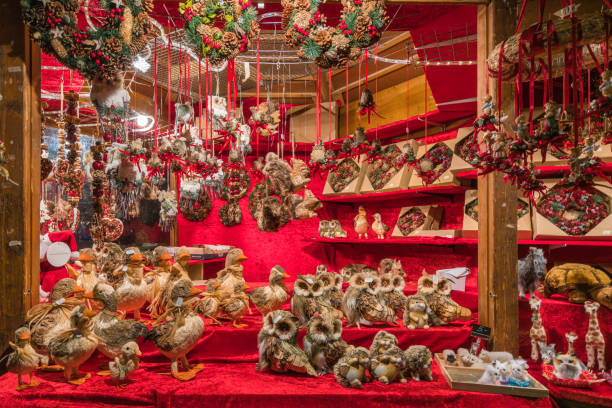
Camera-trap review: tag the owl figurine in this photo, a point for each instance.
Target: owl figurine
(324, 229)
(369, 307)
(391, 293)
(321, 269)
(392, 266)
(278, 348)
(350, 370)
(336, 230)
(323, 342)
(357, 284)
(303, 302)
(332, 288)
(389, 366)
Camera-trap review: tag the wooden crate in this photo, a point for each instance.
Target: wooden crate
(400, 179)
(351, 188)
(465, 379)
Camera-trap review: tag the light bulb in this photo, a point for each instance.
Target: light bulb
(141, 120)
(141, 64)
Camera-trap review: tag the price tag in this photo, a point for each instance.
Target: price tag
(60, 301)
(179, 302)
(483, 332)
(567, 11)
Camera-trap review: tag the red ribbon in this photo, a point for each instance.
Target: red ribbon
(318, 104)
(155, 91)
(329, 107)
(346, 105)
(169, 84)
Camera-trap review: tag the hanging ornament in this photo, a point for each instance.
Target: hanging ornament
(168, 210)
(360, 26)
(265, 119)
(4, 173)
(125, 179)
(236, 184)
(219, 29)
(367, 104)
(194, 203)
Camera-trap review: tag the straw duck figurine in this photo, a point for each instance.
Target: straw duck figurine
(47, 320)
(126, 364)
(73, 347)
(88, 276)
(177, 271)
(23, 360)
(157, 278)
(379, 227)
(132, 289)
(273, 296)
(360, 223)
(229, 287)
(112, 332)
(175, 338)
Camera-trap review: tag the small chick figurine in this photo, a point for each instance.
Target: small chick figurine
(273, 296)
(23, 360)
(350, 370)
(132, 289)
(73, 347)
(379, 227)
(360, 223)
(277, 344)
(126, 364)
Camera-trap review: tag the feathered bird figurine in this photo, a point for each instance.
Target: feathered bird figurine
(73, 347)
(278, 172)
(47, 320)
(277, 344)
(229, 287)
(357, 284)
(323, 342)
(273, 296)
(110, 258)
(332, 288)
(392, 266)
(126, 364)
(350, 371)
(23, 360)
(132, 289)
(391, 293)
(303, 303)
(368, 306)
(379, 227)
(175, 338)
(112, 332)
(88, 276)
(360, 223)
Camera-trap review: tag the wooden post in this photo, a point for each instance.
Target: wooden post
(497, 231)
(20, 132)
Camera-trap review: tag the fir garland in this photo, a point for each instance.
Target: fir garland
(238, 27)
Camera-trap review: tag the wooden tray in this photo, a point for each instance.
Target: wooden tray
(465, 379)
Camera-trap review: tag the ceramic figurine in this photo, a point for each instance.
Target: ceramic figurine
(73, 347)
(392, 266)
(303, 302)
(336, 230)
(491, 356)
(571, 337)
(88, 275)
(126, 364)
(417, 313)
(332, 288)
(606, 83)
(450, 357)
(273, 296)
(112, 333)
(323, 342)
(389, 366)
(594, 339)
(277, 345)
(531, 271)
(132, 289)
(567, 367)
(324, 229)
(379, 228)
(361, 304)
(47, 320)
(492, 374)
(177, 271)
(537, 333)
(175, 338)
(361, 224)
(418, 363)
(522, 127)
(581, 282)
(23, 359)
(547, 352)
(391, 293)
(350, 370)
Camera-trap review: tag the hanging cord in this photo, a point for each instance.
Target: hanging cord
(200, 97)
(407, 92)
(346, 107)
(169, 85)
(155, 92)
(318, 104)
(329, 107)
(375, 87)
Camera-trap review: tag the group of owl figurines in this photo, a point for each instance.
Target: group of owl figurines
(325, 352)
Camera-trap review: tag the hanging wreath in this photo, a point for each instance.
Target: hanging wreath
(195, 204)
(235, 185)
(410, 220)
(360, 26)
(113, 228)
(434, 163)
(219, 44)
(94, 52)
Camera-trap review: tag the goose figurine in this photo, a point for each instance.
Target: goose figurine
(73, 347)
(360, 223)
(112, 332)
(126, 364)
(23, 360)
(175, 338)
(47, 320)
(132, 289)
(273, 296)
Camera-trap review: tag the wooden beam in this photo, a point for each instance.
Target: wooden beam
(428, 2)
(20, 132)
(298, 95)
(497, 231)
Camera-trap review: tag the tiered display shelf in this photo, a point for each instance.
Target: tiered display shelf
(448, 241)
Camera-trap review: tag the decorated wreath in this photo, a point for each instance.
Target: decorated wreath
(195, 203)
(471, 209)
(434, 163)
(384, 165)
(95, 52)
(235, 185)
(360, 26)
(343, 174)
(410, 220)
(219, 44)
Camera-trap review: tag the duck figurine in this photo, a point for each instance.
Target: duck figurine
(273, 296)
(175, 338)
(158, 276)
(177, 271)
(23, 360)
(229, 287)
(360, 223)
(236, 305)
(112, 332)
(47, 320)
(88, 275)
(379, 227)
(132, 289)
(126, 364)
(73, 347)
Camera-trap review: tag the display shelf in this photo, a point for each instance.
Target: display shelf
(545, 171)
(445, 191)
(449, 241)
